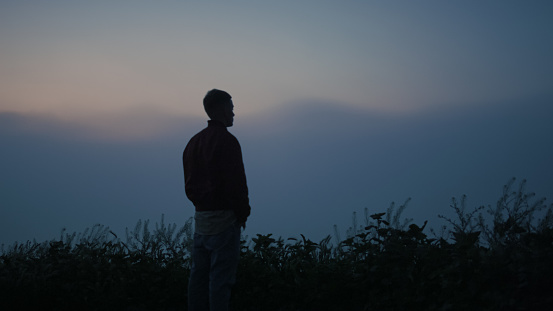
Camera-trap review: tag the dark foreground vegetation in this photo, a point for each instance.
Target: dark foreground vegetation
(490, 258)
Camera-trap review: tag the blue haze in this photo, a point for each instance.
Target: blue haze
(310, 165)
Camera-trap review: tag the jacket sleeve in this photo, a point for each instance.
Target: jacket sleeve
(236, 184)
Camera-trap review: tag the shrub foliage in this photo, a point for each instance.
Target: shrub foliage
(502, 262)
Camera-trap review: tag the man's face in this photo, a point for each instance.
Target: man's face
(229, 113)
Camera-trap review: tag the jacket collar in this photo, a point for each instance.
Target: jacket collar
(215, 123)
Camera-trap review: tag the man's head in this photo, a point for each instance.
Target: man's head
(219, 107)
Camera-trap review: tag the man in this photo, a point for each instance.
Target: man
(215, 182)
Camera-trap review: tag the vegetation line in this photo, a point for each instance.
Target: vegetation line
(490, 258)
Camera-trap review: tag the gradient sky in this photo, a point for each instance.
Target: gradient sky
(107, 89)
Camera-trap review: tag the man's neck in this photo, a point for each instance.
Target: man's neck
(216, 123)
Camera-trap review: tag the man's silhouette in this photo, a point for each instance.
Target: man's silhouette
(215, 182)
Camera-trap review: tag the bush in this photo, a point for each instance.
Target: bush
(386, 264)
(93, 271)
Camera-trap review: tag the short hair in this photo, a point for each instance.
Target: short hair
(214, 101)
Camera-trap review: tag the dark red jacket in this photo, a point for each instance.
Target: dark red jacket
(214, 175)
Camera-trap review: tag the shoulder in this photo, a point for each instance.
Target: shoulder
(230, 136)
(195, 139)
(231, 139)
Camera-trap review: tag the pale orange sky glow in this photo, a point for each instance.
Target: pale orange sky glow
(85, 61)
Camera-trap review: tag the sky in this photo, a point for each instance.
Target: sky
(340, 106)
